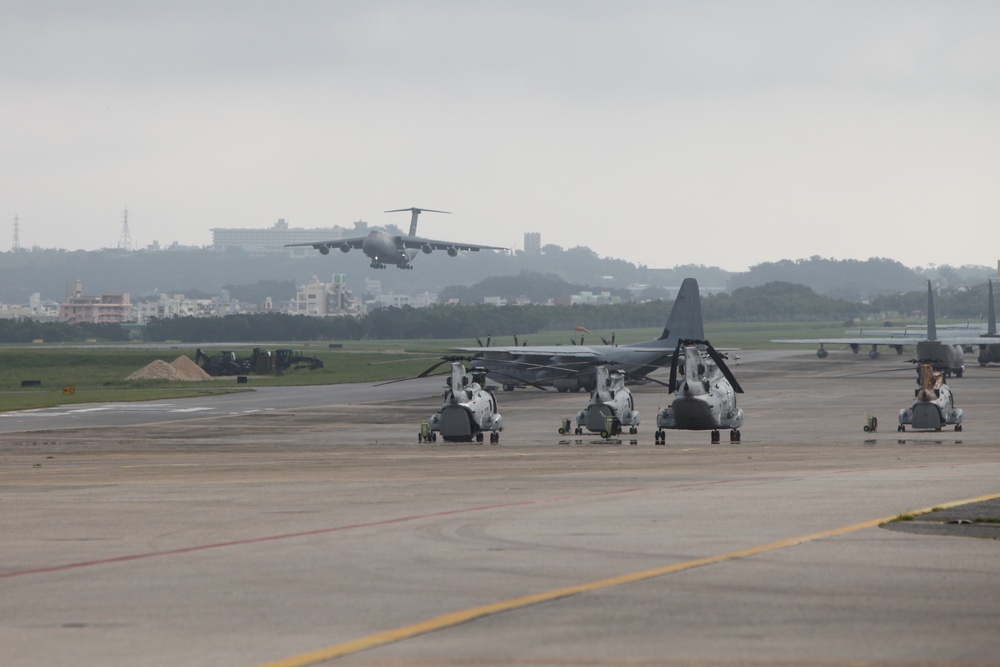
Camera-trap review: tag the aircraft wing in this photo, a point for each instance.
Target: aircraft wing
(534, 354)
(898, 341)
(354, 242)
(420, 242)
(884, 340)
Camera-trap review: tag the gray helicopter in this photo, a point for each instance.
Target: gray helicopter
(611, 406)
(469, 409)
(706, 396)
(933, 404)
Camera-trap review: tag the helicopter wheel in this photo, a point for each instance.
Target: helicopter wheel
(958, 428)
(562, 431)
(660, 438)
(715, 437)
(479, 437)
(901, 428)
(605, 435)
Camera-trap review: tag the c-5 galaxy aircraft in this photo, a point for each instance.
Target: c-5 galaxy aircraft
(571, 368)
(384, 248)
(944, 353)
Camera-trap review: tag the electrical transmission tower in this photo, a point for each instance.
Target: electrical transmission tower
(125, 240)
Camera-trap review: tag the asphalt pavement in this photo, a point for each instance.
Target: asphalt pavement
(308, 526)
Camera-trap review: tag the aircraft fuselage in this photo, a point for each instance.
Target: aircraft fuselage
(384, 248)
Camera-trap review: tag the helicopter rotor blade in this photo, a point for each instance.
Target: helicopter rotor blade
(718, 359)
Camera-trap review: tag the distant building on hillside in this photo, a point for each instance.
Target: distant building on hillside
(532, 243)
(109, 307)
(319, 299)
(273, 239)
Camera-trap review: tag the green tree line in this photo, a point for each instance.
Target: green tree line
(773, 302)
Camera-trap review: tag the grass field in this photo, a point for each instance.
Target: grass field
(97, 373)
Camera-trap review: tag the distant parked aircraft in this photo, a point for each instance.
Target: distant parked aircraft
(944, 353)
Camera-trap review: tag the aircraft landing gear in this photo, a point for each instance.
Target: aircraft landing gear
(715, 437)
(734, 436)
(494, 438)
(661, 438)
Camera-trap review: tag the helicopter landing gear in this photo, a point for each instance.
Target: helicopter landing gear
(633, 430)
(661, 438)
(715, 437)
(734, 436)
(901, 428)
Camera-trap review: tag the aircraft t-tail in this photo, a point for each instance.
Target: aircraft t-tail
(944, 352)
(572, 367)
(398, 249)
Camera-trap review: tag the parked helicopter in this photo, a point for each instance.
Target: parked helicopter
(610, 408)
(706, 397)
(469, 408)
(934, 404)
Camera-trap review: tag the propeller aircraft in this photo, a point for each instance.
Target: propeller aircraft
(573, 367)
(705, 397)
(934, 403)
(611, 406)
(945, 352)
(398, 249)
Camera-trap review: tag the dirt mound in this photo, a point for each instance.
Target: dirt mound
(190, 370)
(158, 370)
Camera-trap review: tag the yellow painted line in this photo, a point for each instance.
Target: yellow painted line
(457, 618)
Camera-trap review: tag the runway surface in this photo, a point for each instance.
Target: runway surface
(297, 527)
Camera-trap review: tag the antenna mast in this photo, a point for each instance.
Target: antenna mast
(17, 233)
(125, 240)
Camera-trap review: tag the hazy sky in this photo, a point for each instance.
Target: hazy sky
(662, 133)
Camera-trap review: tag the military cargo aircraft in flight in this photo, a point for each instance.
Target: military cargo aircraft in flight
(572, 367)
(945, 352)
(399, 249)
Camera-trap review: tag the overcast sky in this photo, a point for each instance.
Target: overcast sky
(662, 133)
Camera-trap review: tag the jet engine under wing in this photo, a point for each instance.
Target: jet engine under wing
(415, 242)
(353, 243)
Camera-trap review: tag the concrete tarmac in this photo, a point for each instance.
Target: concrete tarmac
(320, 533)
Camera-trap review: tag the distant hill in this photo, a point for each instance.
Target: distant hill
(204, 271)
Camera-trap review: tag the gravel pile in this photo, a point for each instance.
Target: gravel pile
(190, 370)
(158, 370)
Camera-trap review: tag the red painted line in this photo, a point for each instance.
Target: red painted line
(307, 533)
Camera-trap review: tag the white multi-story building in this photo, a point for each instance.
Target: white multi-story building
(400, 300)
(175, 305)
(319, 299)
